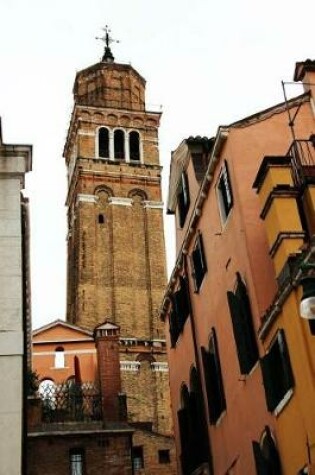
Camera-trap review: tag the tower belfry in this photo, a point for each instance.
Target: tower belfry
(116, 252)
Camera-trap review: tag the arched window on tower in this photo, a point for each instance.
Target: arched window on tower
(103, 143)
(119, 144)
(134, 145)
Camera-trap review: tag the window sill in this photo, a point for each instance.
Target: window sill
(284, 401)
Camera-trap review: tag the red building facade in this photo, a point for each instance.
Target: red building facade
(222, 284)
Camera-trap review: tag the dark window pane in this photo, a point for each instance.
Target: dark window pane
(134, 146)
(277, 372)
(183, 199)
(198, 262)
(76, 462)
(137, 457)
(225, 194)
(164, 456)
(243, 328)
(213, 379)
(103, 143)
(260, 462)
(119, 144)
(312, 326)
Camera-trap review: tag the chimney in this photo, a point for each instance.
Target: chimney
(305, 72)
(106, 338)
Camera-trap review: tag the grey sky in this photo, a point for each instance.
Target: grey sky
(208, 63)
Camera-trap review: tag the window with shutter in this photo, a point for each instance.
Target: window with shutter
(266, 455)
(180, 310)
(213, 379)
(183, 199)
(224, 192)
(243, 329)
(199, 264)
(277, 372)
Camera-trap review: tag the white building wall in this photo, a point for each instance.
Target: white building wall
(14, 162)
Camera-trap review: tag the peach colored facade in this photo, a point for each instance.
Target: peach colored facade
(74, 341)
(227, 285)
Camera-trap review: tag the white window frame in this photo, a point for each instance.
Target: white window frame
(59, 358)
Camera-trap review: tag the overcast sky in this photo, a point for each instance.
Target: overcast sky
(208, 63)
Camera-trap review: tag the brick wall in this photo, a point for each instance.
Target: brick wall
(116, 267)
(106, 454)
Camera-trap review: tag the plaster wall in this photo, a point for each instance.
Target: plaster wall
(11, 323)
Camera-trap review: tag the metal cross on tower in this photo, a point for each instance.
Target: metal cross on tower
(107, 39)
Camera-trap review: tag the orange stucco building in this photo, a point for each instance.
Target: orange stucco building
(55, 347)
(241, 358)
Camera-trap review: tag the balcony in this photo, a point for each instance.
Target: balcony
(302, 154)
(65, 406)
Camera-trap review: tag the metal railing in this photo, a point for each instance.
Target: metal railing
(302, 153)
(70, 402)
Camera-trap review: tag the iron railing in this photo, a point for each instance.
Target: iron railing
(70, 402)
(302, 153)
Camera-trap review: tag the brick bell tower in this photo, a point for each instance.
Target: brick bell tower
(116, 252)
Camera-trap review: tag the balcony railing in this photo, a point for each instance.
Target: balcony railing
(302, 153)
(70, 403)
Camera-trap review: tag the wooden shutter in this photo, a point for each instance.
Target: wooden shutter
(288, 378)
(260, 462)
(270, 384)
(199, 262)
(247, 318)
(206, 370)
(221, 394)
(239, 333)
(183, 423)
(185, 191)
(228, 187)
(184, 298)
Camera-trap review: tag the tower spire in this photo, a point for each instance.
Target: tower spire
(108, 56)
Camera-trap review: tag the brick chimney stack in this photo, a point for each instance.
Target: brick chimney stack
(107, 346)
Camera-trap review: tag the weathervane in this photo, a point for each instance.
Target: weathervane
(107, 39)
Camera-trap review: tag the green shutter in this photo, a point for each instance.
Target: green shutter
(229, 193)
(251, 343)
(221, 394)
(202, 254)
(239, 332)
(206, 371)
(260, 462)
(270, 385)
(288, 378)
(183, 423)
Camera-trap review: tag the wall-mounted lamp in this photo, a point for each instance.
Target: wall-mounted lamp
(307, 305)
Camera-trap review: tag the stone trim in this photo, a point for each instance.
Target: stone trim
(129, 365)
(89, 134)
(159, 367)
(153, 204)
(86, 198)
(116, 200)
